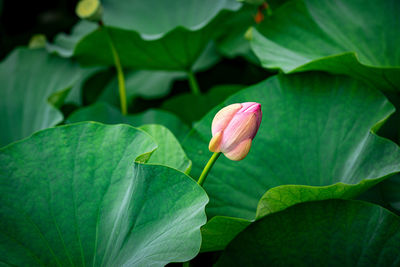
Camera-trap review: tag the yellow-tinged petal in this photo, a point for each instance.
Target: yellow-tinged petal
(215, 142)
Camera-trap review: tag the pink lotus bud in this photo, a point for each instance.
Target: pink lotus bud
(233, 129)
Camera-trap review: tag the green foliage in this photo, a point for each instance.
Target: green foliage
(315, 142)
(305, 35)
(102, 112)
(168, 43)
(199, 105)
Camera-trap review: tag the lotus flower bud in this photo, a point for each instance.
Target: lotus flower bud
(89, 9)
(233, 129)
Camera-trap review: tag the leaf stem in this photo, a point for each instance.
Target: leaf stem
(208, 167)
(194, 86)
(120, 74)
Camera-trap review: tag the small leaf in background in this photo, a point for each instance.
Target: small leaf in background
(355, 38)
(28, 80)
(102, 112)
(73, 195)
(324, 233)
(169, 151)
(315, 142)
(65, 44)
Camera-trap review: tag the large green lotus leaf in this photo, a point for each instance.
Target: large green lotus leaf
(346, 37)
(31, 82)
(102, 112)
(190, 107)
(74, 195)
(315, 142)
(323, 233)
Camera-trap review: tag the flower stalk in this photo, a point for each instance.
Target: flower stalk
(194, 86)
(208, 167)
(120, 74)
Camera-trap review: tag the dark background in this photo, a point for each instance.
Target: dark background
(19, 20)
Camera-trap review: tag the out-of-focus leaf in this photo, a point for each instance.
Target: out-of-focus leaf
(105, 113)
(190, 107)
(75, 95)
(324, 233)
(73, 195)
(64, 44)
(150, 84)
(232, 41)
(28, 79)
(144, 83)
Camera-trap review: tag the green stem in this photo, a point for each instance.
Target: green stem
(120, 74)
(208, 167)
(194, 86)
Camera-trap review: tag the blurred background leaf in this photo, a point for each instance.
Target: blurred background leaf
(30, 80)
(103, 112)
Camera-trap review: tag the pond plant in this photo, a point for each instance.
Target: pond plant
(205, 133)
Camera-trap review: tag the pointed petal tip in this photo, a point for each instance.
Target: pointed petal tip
(251, 107)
